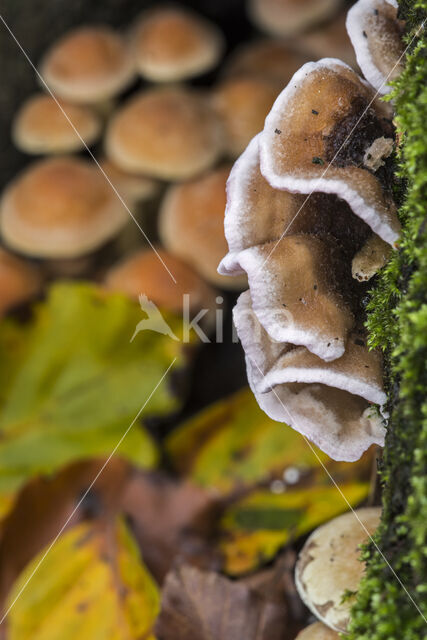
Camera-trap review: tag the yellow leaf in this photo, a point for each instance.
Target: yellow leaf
(92, 585)
(255, 528)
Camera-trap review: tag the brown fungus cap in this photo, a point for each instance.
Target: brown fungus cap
(19, 281)
(317, 631)
(191, 224)
(376, 34)
(144, 273)
(89, 64)
(328, 402)
(370, 259)
(256, 213)
(41, 127)
(329, 565)
(170, 44)
(296, 293)
(316, 136)
(60, 208)
(289, 17)
(243, 104)
(167, 133)
(328, 40)
(267, 58)
(132, 187)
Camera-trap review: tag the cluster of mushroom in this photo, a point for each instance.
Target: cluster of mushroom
(329, 570)
(310, 218)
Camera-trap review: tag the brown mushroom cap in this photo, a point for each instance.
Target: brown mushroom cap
(317, 631)
(243, 104)
(329, 565)
(295, 289)
(305, 145)
(191, 224)
(168, 133)
(171, 44)
(133, 188)
(88, 64)
(289, 17)
(144, 273)
(370, 259)
(19, 281)
(60, 208)
(256, 213)
(329, 403)
(41, 127)
(329, 40)
(267, 58)
(376, 35)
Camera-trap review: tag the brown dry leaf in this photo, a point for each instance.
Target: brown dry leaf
(200, 605)
(171, 519)
(46, 503)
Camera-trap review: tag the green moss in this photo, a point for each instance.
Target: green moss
(398, 325)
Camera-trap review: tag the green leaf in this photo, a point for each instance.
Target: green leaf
(91, 585)
(233, 444)
(71, 382)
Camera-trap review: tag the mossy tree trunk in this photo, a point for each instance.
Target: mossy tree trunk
(387, 609)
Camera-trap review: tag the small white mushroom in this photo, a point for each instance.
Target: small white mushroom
(316, 136)
(329, 403)
(329, 565)
(370, 259)
(376, 34)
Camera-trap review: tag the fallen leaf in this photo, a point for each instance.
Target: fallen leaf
(92, 584)
(200, 605)
(255, 528)
(232, 445)
(46, 504)
(71, 383)
(173, 521)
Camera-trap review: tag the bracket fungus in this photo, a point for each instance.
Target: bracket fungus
(40, 126)
(376, 34)
(191, 222)
(316, 136)
(329, 565)
(19, 281)
(256, 213)
(317, 631)
(60, 208)
(89, 65)
(289, 17)
(190, 131)
(328, 402)
(170, 44)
